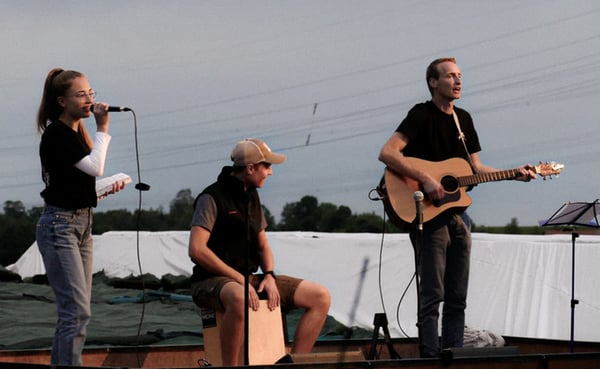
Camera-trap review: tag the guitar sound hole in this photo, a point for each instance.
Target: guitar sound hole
(449, 183)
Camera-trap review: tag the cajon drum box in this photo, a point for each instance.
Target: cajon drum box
(266, 343)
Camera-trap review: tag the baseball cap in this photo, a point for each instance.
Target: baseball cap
(254, 151)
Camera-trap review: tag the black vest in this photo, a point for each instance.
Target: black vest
(235, 233)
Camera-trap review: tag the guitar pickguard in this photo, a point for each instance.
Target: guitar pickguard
(448, 199)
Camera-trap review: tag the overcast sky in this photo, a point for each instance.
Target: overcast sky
(202, 75)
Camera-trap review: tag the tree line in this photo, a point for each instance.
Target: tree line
(17, 224)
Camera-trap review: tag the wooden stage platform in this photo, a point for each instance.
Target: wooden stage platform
(521, 353)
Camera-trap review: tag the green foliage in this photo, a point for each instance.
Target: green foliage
(17, 231)
(181, 210)
(308, 215)
(271, 225)
(300, 216)
(510, 228)
(14, 209)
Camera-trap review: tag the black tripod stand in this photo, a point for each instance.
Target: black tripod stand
(575, 214)
(380, 322)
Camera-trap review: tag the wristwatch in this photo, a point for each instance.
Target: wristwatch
(272, 273)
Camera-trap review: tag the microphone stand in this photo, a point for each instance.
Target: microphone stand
(574, 301)
(418, 244)
(247, 284)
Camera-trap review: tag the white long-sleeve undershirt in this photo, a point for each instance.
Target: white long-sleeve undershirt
(93, 164)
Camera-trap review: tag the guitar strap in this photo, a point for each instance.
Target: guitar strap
(461, 137)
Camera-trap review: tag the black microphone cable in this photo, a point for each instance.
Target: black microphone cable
(141, 187)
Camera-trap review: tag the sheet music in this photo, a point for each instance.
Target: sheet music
(104, 185)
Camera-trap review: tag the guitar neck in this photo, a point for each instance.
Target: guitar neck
(501, 175)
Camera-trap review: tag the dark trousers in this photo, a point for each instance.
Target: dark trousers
(442, 251)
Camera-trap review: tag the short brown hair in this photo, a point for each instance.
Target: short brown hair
(433, 72)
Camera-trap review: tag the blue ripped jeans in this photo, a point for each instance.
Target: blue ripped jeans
(64, 238)
(444, 257)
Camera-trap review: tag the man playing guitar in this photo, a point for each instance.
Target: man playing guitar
(436, 131)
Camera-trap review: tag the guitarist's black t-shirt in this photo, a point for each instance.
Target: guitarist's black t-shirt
(433, 134)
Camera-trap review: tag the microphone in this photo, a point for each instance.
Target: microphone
(113, 108)
(418, 197)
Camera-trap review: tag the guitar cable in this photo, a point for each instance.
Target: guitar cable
(381, 195)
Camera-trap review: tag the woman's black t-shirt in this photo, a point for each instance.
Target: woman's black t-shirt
(66, 186)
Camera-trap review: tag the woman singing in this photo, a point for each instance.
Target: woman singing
(70, 162)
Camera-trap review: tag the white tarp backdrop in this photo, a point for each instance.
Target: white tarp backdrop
(519, 285)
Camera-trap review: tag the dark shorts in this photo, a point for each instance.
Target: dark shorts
(206, 292)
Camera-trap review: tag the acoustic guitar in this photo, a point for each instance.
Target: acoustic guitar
(455, 176)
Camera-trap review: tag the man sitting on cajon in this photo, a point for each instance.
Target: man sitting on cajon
(229, 224)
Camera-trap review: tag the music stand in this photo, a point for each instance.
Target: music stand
(575, 214)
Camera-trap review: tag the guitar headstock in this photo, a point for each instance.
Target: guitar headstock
(548, 169)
